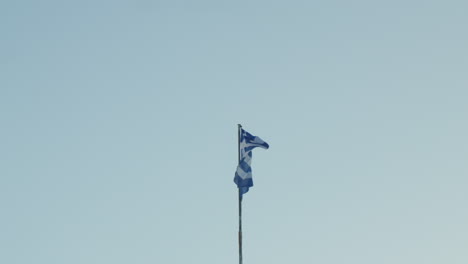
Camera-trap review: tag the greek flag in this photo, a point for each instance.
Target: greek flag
(247, 143)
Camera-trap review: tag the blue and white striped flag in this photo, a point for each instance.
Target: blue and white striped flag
(247, 143)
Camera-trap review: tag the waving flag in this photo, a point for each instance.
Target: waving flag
(243, 176)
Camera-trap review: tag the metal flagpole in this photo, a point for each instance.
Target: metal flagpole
(240, 197)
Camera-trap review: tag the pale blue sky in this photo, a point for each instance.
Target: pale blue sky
(119, 120)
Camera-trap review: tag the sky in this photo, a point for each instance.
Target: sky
(118, 131)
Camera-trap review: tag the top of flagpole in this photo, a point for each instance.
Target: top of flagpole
(239, 127)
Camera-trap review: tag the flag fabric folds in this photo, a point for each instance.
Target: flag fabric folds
(243, 176)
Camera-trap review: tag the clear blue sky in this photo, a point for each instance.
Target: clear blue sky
(118, 131)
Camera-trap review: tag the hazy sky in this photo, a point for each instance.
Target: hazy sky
(118, 131)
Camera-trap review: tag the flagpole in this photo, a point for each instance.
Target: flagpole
(240, 196)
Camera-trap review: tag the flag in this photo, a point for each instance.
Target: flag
(243, 176)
